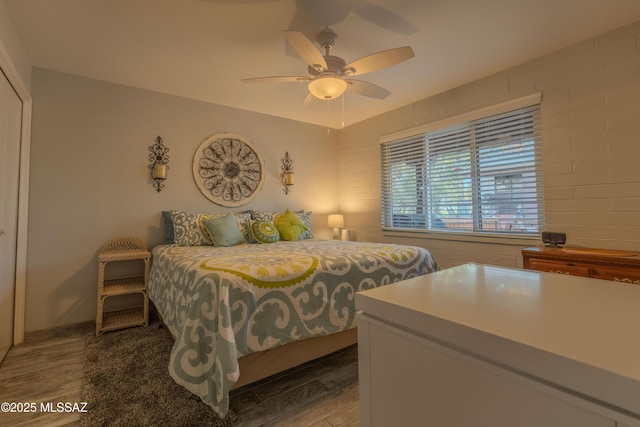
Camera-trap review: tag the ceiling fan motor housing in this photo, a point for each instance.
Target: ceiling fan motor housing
(334, 65)
(327, 39)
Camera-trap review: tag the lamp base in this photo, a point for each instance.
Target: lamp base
(336, 234)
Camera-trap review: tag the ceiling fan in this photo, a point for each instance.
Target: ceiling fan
(329, 75)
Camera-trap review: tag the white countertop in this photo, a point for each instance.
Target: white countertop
(581, 334)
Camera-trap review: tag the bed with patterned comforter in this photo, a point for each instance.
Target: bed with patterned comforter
(221, 303)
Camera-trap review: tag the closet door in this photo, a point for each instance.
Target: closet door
(10, 125)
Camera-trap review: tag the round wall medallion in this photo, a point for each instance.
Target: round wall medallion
(228, 170)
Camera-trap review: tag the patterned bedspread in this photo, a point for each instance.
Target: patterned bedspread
(224, 303)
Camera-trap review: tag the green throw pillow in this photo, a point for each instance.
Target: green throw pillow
(290, 226)
(224, 231)
(264, 232)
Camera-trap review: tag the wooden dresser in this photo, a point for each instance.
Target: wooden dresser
(619, 266)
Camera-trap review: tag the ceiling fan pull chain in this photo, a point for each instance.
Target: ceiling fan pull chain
(328, 118)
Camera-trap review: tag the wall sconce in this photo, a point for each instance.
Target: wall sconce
(159, 163)
(336, 221)
(286, 172)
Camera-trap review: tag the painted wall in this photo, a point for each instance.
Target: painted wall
(90, 182)
(591, 148)
(90, 178)
(12, 47)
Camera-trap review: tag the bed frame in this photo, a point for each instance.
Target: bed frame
(257, 366)
(263, 364)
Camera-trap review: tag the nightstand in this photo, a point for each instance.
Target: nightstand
(123, 250)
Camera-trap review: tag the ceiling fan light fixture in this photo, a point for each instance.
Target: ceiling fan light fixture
(327, 88)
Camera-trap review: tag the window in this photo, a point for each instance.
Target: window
(482, 175)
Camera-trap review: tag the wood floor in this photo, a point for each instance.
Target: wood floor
(47, 367)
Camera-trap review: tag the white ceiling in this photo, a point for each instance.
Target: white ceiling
(200, 49)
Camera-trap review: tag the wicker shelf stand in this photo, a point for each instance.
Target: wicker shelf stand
(123, 249)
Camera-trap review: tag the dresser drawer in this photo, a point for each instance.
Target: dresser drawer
(605, 264)
(559, 267)
(617, 274)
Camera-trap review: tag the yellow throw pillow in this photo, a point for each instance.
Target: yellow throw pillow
(290, 226)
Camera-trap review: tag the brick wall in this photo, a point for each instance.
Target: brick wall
(591, 148)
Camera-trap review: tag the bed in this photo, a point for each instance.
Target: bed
(244, 312)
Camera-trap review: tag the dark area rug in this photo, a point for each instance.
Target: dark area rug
(126, 382)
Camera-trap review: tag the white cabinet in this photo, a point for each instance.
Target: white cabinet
(485, 346)
(417, 382)
(123, 250)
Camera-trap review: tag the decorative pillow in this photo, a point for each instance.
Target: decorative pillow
(168, 228)
(187, 229)
(264, 232)
(244, 222)
(290, 226)
(224, 231)
(306, 218)
(264, 215)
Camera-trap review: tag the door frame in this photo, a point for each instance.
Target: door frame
(10, 71)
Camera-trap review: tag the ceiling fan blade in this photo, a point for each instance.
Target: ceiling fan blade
(384, 17)
(277, 79)
(308, 100)
(306, 50)
(367, 89)
(378, 60)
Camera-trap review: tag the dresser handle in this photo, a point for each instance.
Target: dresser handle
(625, 280)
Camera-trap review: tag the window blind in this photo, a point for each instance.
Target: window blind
(484, 175)
(403, 175)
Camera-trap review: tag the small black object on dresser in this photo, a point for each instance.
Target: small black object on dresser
(553, 239)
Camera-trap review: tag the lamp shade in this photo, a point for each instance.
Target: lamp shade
(336, 221)
(327, 87)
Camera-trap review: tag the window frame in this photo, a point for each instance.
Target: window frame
(466, 235)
